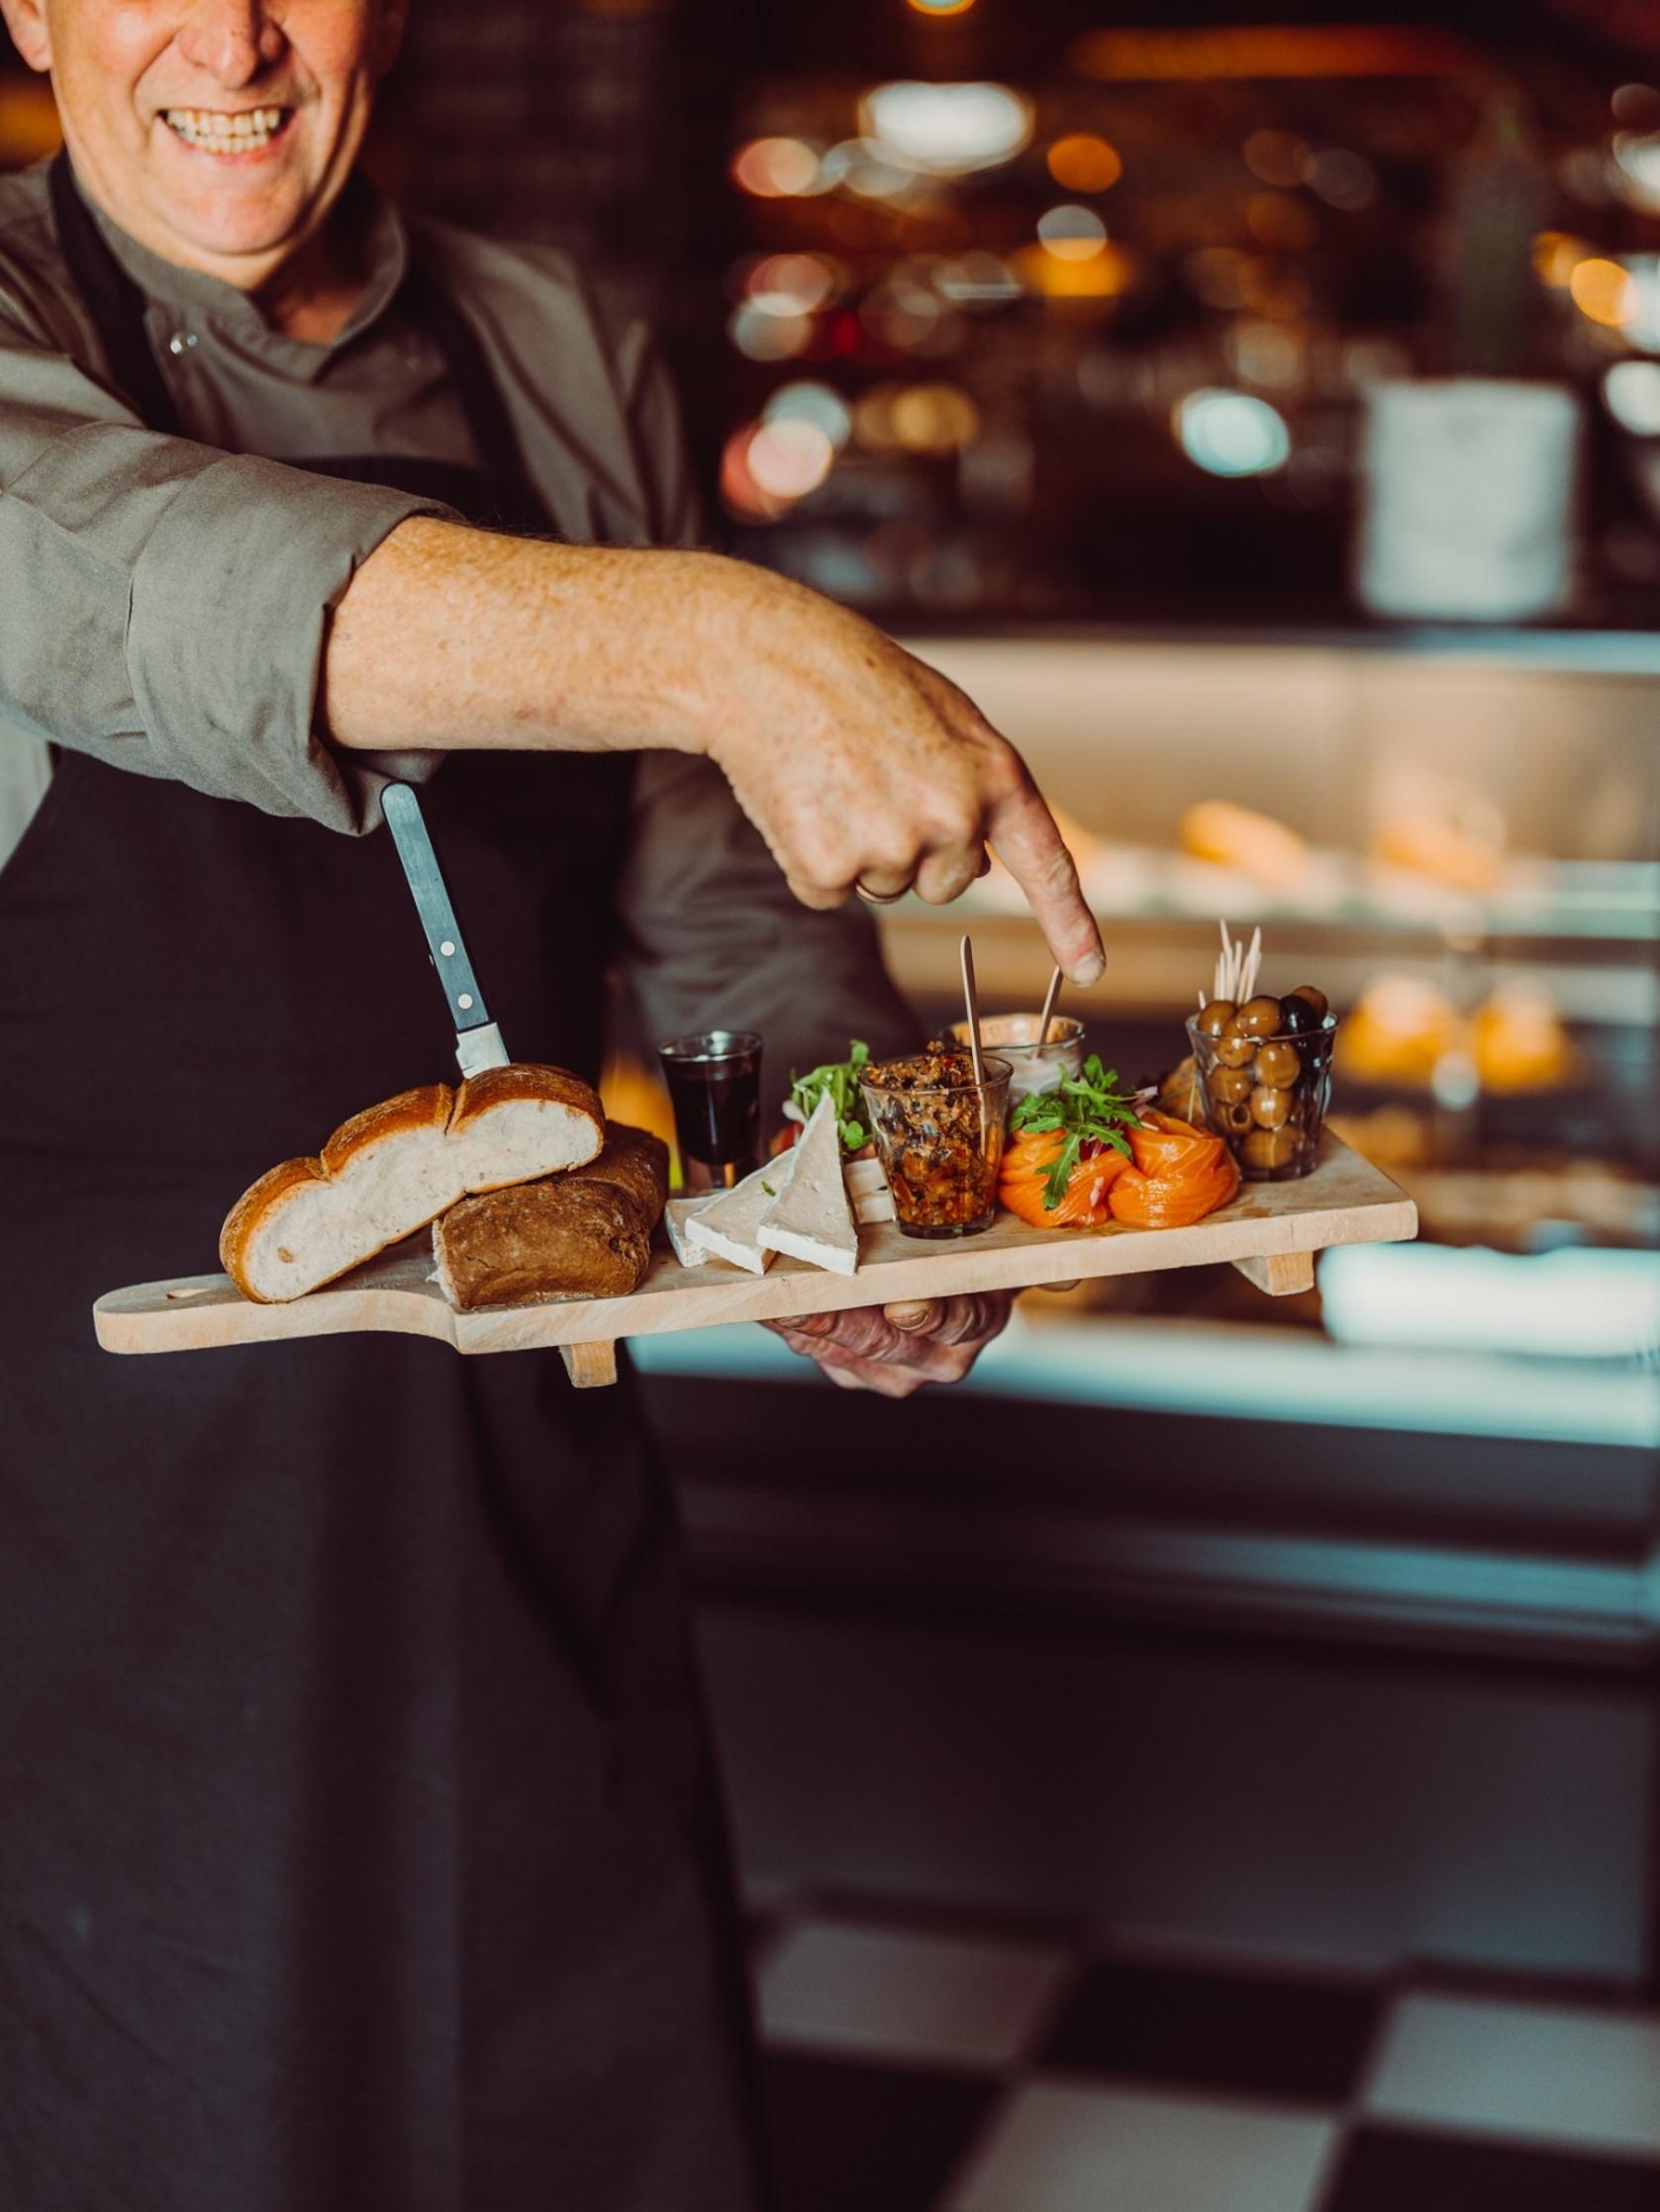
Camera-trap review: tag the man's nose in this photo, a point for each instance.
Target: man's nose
(232, 40)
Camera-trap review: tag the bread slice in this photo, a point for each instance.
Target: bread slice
(393, 1168)
(582, 1235)
(515, 1123)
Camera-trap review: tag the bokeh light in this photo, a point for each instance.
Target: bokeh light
(1631, 394)
(864, 166)
(1278, 157)
(942, 7)
(947, 130)
(977, 278)
(790, 283)
(808, 401)
(1082, 162)
(789, 457)
(1556, 255)
(1232, 433)
(933, 419)
(1604, 292)
(1105, 272)
(1071, 232)
(762, 336)
(776, 168)
(1342, 179)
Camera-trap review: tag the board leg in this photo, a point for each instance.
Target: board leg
(1280, 1274)
(590, 1366)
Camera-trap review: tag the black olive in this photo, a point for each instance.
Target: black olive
(1315, 996)
(1298, 1018)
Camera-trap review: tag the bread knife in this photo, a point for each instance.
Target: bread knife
(478, 1041)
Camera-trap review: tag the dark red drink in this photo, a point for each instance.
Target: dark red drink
(715, 1084)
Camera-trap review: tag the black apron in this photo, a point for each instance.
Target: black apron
(358, 1847)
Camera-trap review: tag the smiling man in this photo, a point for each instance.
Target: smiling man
(358, 1847)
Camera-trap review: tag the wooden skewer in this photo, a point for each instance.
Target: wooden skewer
(1047, 1016)
(971, 1000)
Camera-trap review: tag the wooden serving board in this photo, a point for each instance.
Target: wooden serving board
(1270, 1233)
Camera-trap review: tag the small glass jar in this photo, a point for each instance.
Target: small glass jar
(939, 1137)
(1267, 1103)
(1035, 1067)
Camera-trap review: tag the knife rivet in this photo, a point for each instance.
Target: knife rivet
(446, 949)
(464, 1000)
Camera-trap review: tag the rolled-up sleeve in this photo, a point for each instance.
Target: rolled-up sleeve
(166, 605)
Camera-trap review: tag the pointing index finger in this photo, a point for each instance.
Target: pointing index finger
(1030, 847)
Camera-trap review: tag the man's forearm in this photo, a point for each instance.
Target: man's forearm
(859, 764)
(456, 638)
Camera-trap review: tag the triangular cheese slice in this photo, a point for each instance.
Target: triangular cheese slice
(812, 1219)
(727, 1228)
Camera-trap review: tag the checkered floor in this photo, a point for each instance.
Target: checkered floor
(929, 2067)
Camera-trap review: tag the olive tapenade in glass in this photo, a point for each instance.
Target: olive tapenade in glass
(940, 1136)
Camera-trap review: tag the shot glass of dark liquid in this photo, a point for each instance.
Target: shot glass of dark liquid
(715, 1084)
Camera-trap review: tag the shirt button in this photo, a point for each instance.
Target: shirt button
(181, 340)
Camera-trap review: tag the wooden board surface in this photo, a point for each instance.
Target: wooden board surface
(1346, 1201)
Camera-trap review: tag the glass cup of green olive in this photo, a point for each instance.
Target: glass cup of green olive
(1265, 1074)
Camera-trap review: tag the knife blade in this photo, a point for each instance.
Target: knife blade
(478, 1041)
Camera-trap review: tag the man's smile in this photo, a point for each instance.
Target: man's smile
(243, 132)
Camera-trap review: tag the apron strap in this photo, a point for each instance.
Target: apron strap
(115, 302)
(118, 310)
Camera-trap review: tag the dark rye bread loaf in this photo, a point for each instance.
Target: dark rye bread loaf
(580, 1235)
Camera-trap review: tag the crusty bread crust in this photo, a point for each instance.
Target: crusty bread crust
(524, 1079)
(393, 1168)
(539, 1243)
(256, 1205)
(428, 1107)
(635, 1162)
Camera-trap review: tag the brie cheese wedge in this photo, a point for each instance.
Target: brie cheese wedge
(812, 1219)
(727, 1228)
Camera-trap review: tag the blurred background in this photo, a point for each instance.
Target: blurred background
(1213, 1759)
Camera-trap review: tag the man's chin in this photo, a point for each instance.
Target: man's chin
(221, 237)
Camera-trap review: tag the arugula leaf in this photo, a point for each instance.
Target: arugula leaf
(840, 1078)
(1087, 1108)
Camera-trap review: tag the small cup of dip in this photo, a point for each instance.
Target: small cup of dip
(938, 1136)
(1014, 1037)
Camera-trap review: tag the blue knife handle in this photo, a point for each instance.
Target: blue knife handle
(432, 903)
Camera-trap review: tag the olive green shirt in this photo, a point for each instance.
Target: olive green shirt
(163, 599)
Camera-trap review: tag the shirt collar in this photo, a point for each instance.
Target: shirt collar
(209, 299)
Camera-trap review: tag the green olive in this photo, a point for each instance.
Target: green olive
(1234, 1048)
(1278, 1063)
(1315, 996)
(1259, 1017)
(1236, 1117)
(1213, 1020)
(1270, 1109)
(1270, 1148)
(1228, 1085)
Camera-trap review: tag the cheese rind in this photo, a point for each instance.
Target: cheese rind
(812, 1219)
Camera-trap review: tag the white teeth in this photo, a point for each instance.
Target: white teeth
(242, 133)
